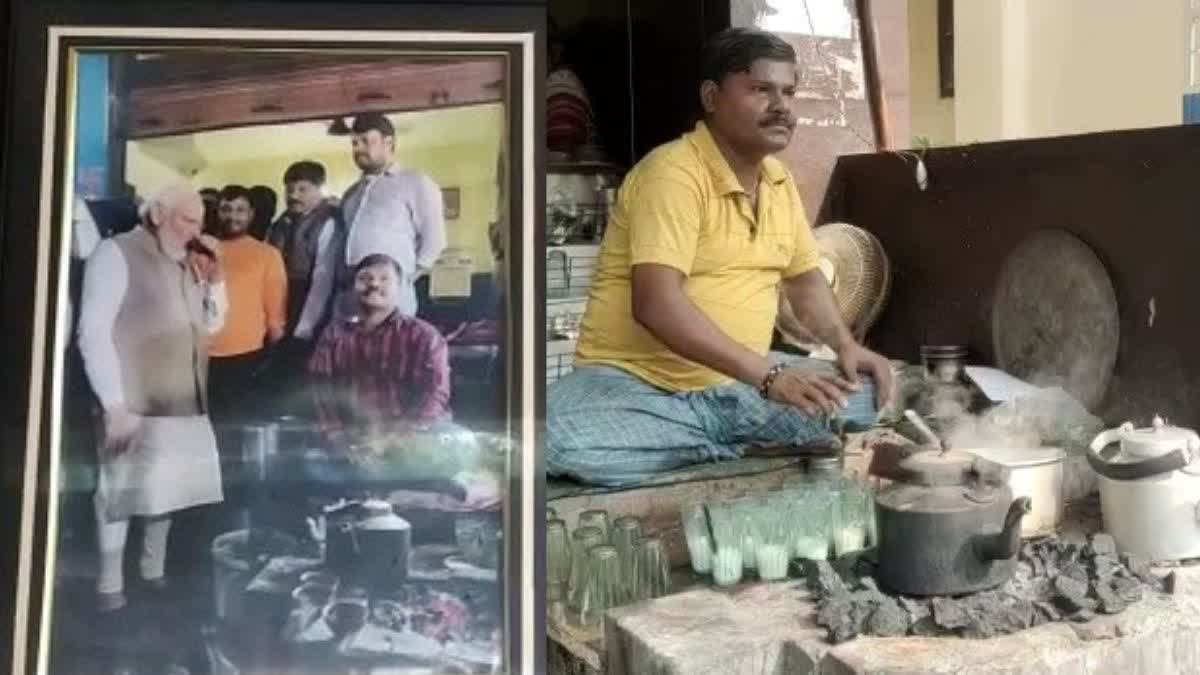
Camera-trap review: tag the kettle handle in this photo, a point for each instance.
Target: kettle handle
(1155, 466)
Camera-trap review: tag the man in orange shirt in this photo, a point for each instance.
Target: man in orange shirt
(256, 284)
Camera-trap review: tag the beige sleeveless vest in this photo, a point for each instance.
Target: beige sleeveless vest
(159, 334)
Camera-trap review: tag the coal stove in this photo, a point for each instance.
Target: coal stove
(1057, 579)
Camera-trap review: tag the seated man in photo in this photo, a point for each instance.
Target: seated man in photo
(381, 385)
(673, 365)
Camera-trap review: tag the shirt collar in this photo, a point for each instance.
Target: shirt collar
(390, 170)
(354, 322)
(718, 168)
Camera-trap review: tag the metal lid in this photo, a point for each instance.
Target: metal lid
(829, 464)
(1159, 432)
(943, 351)
(937, 468)
(1015, 458)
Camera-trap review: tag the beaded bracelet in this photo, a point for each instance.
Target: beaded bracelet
(764, 389)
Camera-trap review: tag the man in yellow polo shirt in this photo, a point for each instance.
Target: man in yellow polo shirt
(674, 365)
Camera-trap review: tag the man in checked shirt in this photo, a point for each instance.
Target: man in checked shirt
(381, 385)
(389, 210)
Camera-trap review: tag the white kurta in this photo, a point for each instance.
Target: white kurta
(170, 463)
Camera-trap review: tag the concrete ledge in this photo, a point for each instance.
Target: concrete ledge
(768, 628)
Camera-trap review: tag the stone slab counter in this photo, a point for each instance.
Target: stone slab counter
(769, 628)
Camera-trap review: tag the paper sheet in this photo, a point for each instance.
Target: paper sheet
(999, 386)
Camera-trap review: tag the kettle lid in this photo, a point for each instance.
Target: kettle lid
(1154, 441)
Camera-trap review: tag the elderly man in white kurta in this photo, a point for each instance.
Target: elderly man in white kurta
(151, 299)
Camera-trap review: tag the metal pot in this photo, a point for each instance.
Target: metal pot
(948, 526)
(1036, 473)
(1150, 489)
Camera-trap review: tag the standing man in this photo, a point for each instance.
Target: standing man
(257, 307)
(307, 235)
(393, 211)
(672, 367)
(151, 299)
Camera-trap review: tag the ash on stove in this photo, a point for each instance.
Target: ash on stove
(1057, 579)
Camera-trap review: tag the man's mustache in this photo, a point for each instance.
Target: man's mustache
(778, 120)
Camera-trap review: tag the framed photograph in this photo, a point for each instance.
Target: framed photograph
(451, 204)
(244, 435)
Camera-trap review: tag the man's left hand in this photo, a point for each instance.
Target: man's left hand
(858, 359)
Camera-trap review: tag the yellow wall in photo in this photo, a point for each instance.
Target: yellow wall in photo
(456, 147)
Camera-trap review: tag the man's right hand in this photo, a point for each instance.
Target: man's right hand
(814, 392)
(119, 427)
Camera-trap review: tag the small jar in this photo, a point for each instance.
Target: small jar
(943, 363)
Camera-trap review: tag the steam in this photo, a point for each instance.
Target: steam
(1049, 416)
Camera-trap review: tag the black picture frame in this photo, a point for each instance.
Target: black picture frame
(30, 282)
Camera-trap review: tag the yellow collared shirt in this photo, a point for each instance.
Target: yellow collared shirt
(682, 206)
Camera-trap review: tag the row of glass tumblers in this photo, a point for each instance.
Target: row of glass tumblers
(762, 534)
(601, 566)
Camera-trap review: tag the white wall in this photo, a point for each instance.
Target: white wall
(1028, 68)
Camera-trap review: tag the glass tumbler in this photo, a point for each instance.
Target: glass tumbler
(811, 517)
(699, 544)
(652, 569)
(558, 552)
(745, 515)
(601, 585)
(595, 518)
(850, 520)
(582, 541)
(774, 527)
(626, 533)
(727, 529)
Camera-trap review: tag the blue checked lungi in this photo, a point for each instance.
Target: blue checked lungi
(604, 426)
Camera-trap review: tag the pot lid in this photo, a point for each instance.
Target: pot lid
(1157, 439)
(380, 516)
(937, 468)
(1015, 458)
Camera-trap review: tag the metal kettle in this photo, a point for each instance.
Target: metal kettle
(366, 542)
(948, 526)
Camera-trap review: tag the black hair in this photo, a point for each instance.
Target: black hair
(264, 200)
(232, 192)
(378, 259)
(365, 122)
(734, 50)
(307, 170)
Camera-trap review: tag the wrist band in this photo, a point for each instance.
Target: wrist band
(764, 389)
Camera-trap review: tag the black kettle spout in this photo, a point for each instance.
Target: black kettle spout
(1004, 544)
